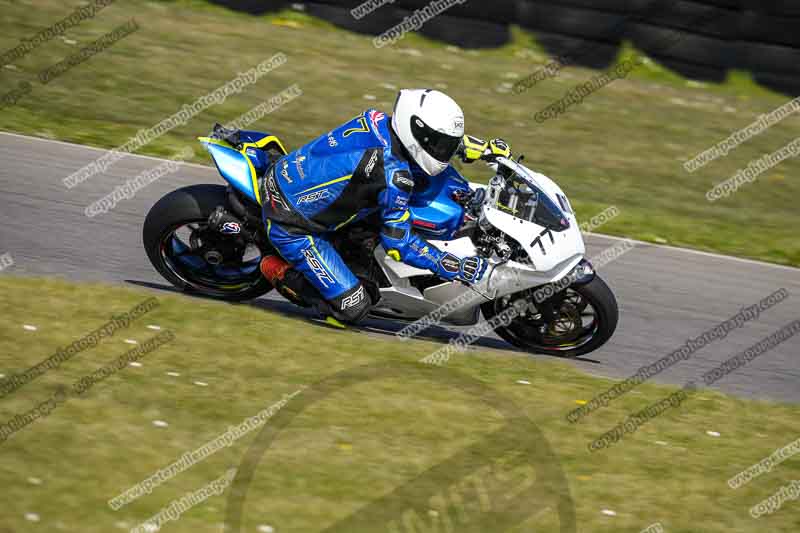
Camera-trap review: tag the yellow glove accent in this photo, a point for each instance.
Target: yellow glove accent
(394, 254)
(474, 148)
(499, 148)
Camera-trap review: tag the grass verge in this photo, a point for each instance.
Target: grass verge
(228, 362)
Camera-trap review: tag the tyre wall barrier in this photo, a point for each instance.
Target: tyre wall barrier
(700, 39)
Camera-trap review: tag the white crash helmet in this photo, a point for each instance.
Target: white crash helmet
(430, 125)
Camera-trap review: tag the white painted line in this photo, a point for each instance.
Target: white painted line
(160, 423)
(264, 528)
(608, 512)
(712, 433)
(29, 327)
(66, 143)
(173, 374)
(137, 364)
(201, 383)
(130, 341)
(523, 382)
(695, 252)
(151, 326)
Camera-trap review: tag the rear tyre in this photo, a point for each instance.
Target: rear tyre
(194, 258)
(584, 318)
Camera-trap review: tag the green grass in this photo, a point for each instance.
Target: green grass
(623, 146)
(355, 445)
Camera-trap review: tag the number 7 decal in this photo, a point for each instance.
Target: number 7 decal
(363, 129)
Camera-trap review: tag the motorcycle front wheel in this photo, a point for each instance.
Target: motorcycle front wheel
(576, 321)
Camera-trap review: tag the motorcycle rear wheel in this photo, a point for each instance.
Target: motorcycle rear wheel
(209, 264)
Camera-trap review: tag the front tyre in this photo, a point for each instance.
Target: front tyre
(576, 321)
(194, 258)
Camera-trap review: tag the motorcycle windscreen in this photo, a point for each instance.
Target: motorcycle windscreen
(235, 167)
(532, 205)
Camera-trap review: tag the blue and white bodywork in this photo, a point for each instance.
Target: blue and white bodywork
(241, 168)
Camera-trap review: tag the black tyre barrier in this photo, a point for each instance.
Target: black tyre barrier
(499, 11)
(577, 22)
(789, 85)
(349, 4)
(579, 52)
(760, 36)
(781, 8)
(692, 17)
(691, 70)
(771, 58)
(375, 23)
(611, 6)
(684, 47)
(467, 33)
(769, 29)
(729, 4)
(253, 7)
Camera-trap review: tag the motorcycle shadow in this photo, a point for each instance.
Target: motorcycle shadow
(381, 328)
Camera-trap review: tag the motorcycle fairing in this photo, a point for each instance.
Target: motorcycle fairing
(241, 168)
(434, 212)
(552, 255)
(547, 248)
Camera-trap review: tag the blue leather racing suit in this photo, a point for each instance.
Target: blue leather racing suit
(354, 171)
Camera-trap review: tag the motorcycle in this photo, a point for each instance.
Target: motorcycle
(209, 240)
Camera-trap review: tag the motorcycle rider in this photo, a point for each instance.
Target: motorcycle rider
(365, 165)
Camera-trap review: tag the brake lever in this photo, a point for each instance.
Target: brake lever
(476, 291)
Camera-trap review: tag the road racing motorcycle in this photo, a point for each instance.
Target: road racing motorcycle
(209, 240)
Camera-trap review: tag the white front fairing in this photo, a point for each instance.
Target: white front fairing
(552, 255)
(546, 249)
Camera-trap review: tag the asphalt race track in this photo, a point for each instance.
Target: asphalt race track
(666, 295)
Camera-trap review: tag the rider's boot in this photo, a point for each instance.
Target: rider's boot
(274, 268)
(293, 286)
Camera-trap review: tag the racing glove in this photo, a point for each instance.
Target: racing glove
(469, 269)
(498, 148)
(473, 149)
(472, 269)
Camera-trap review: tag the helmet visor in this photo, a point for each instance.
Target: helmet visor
(440, 146)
